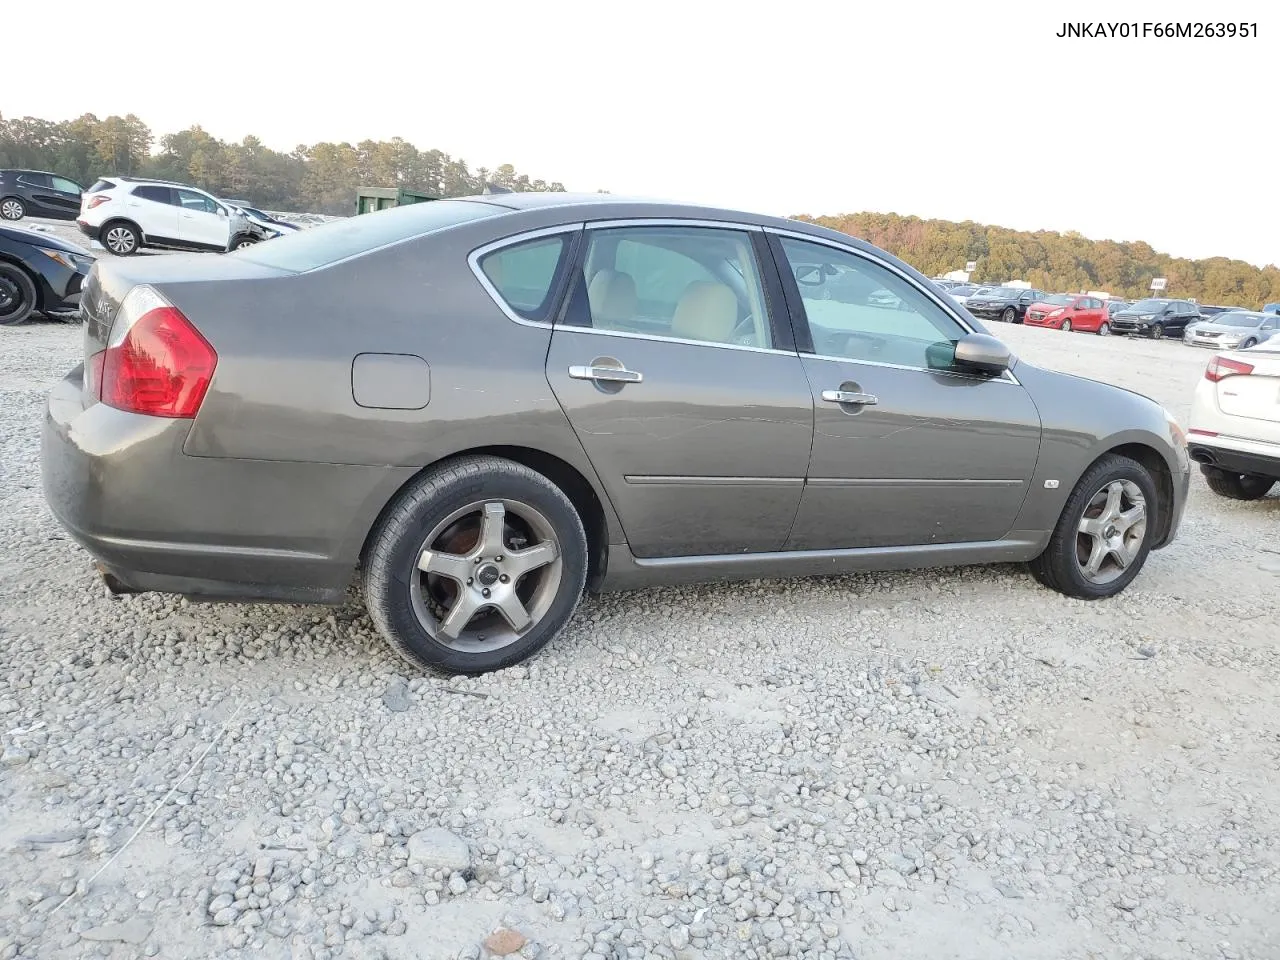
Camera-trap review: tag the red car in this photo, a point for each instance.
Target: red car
(1069, 311)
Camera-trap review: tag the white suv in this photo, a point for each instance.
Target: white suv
(125, 214)
(1234, 433)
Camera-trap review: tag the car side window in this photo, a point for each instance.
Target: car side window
(34, 179)
(154, 194)
(687, 283)
(523, 274)
(191, 200)
(849, 315)
(65, 185)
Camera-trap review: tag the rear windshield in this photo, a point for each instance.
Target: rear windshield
(302, 250)
(100, 185)
(1230, 319)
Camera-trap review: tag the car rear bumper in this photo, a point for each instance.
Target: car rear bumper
(208, 528)
(1236, 455)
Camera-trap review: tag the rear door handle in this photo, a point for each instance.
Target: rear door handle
(609, 374)
(849, 396)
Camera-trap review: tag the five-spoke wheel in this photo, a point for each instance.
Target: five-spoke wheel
(1103, 535)
(475, 566)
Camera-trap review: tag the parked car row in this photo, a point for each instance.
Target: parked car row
(129, 214)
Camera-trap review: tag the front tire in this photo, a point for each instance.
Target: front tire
(17, 295)
(1103, 537)
(122, 239)
(1066, 326)
(1009, 315)
(476, 566)
(12, 208)
(1157, 332)
(1248, 343)
(243, 241)
(1236, 486)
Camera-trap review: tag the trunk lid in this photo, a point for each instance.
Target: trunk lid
(1254, 396)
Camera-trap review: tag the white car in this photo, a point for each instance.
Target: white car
(1234, 432)
(125, 214)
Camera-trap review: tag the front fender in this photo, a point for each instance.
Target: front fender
(1083, 420)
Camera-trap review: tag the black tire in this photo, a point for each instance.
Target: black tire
(1066, 326)
(1157, 331)
(17, 295)
(126, 237)
(390, 568)
(1247, 344)
(1104, 329)
(12, 208)
(1058, 566)
(244, 240)
(1009, 315)
(1236, 486)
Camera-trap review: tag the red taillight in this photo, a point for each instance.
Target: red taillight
(1220, 368)
(156, 362)
(97, 200)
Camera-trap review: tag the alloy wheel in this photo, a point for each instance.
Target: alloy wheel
(11, 297)
(1111, 531)
(485, 575)
(12, 209)
(121, 240)
(1105, 329)
(1066, 326)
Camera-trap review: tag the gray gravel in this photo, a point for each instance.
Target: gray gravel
(952, 764)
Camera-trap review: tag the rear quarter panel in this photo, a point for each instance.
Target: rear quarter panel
(286, 345)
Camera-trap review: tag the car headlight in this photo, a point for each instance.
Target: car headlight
(1057, 313)
(68, 259)
(1147, 316)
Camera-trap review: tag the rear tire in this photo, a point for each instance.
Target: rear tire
(12, 208)
(482, 542)
(1105, 329)
(1062, 566)
(1236, 486)
(121, 238)
(17, 295)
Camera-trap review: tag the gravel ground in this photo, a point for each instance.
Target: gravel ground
(950, 764)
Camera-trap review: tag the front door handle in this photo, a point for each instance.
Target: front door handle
(609, 374)
(849, 396)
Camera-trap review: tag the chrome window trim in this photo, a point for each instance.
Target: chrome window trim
(627, 334)
(1006, 377)
(674, 222)
(474, 257)
(948, 309)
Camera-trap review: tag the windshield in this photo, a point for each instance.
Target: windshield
(1059, 300)
(1003, 293)
(963, 290)
(1237, 319)
(1148, 306)
(302, 250)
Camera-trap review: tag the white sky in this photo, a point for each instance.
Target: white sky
(951, 110)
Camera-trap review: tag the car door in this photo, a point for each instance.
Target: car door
(906, 450)
(203, 222)
(681, 380)
(64, 197)
(154, 207)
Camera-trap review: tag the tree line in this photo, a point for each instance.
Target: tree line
(1060, 262)
(323, 178)
(316, 178)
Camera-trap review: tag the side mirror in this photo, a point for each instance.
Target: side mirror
(981, 353)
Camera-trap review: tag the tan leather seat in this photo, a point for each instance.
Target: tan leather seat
(612, 295)
(707, 311)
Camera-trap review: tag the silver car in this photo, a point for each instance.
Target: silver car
(1232, 330)
(483, 407)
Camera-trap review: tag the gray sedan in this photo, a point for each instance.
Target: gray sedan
(1231, 330)
(484, 407)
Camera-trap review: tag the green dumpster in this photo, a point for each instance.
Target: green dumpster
(372, 199)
